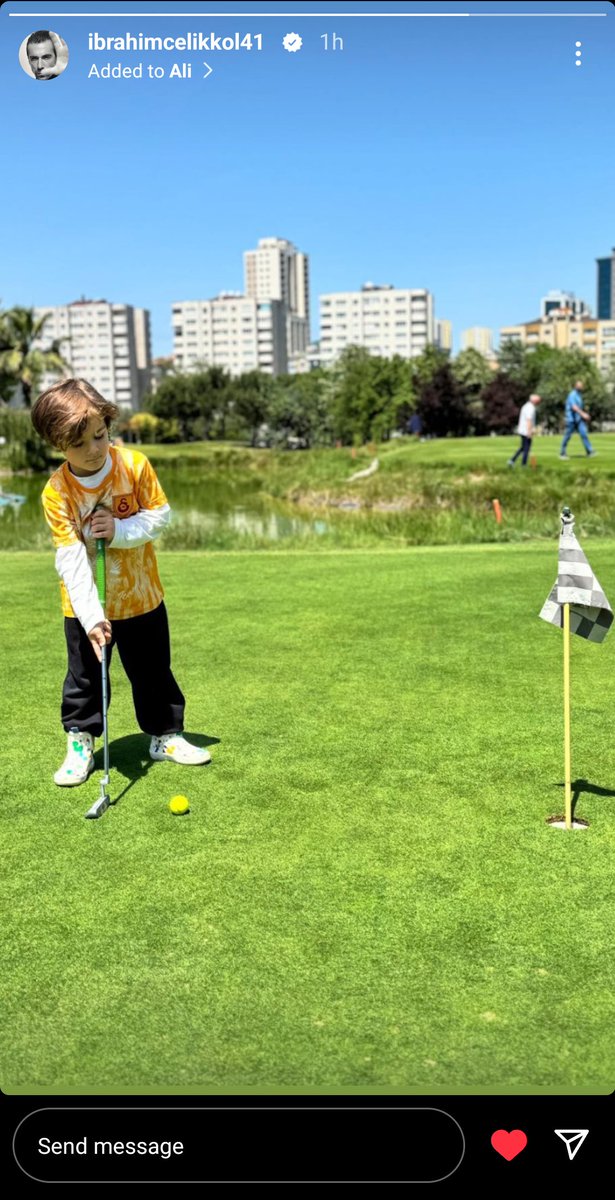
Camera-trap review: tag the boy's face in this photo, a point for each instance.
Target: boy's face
(88, 454)
(42, 58)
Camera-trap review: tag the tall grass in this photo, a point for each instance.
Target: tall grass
(435, 493)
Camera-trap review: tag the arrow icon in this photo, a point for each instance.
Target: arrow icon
(573, 1139)
(208, 71)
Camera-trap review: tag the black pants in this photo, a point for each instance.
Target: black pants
(524, 449)
(144, 648)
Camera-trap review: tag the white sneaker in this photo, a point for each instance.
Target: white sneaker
(173, 747)
(564, 456)
(79, 761)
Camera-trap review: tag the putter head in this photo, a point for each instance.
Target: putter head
(99, 807)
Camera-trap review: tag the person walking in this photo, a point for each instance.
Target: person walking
(575, 421)
(526, 428)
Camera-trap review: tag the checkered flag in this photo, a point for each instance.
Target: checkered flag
(591, 616)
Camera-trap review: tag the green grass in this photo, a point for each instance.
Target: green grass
(365, 893)
(311, 468)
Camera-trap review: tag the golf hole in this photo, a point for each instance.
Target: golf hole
(560, 823)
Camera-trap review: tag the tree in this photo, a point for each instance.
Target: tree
(442, 405)
(299, 409)
(525, 364)
(404, 398)
(609, 384)
(425, 365)
(143, 427)
(369, 395)
(473, 374)
(395, 397)
(537, 360)
(175, 402)
(22, 364)
(210, 387)
(511, 360)
(26, 450)
(472, 371)
(501, 401)
(252, 396)
(354, 398)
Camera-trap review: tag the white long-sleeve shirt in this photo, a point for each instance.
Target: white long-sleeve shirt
(69, 501)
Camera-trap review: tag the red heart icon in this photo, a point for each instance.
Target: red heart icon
(509, 1145)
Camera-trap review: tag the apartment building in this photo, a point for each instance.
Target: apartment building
(480, 338)
(276, 270)
(107, 344)
(605, 305)
(564, 332)
(564, 302)
(444, 335)
(308, 360)
(384, 319)
(232, 331)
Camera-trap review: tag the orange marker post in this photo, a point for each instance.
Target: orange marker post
(497, 511)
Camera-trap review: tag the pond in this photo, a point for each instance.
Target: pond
(216, 512)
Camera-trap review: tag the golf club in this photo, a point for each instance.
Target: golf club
(101, 805)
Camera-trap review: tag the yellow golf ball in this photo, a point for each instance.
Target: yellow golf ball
(179, 805)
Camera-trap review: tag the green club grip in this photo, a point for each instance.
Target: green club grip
(101, 574)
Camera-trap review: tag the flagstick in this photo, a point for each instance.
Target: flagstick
(567, 715)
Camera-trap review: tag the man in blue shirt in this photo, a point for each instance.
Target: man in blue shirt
(575, 420)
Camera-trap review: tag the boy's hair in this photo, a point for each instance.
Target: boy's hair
(60, 415)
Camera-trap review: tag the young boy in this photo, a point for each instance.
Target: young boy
(102, 491)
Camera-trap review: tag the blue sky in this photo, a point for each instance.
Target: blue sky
(465, 155)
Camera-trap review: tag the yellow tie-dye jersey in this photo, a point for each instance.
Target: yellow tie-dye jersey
(133, 584)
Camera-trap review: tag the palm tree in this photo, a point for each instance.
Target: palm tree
(21, 361)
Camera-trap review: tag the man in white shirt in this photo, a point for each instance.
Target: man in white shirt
(525, 429)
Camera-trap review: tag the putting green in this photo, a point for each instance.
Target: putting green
(365, 893)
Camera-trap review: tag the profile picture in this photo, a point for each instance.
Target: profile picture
(43, 55)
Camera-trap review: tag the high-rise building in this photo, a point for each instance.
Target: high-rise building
(107, 344)
(309, 360)
(444, 335)
(384, 319)
(142, 351)
(564, 332)
(478, 338)
(605, 304)
(558, 301)
(276, 270)
(232, 331)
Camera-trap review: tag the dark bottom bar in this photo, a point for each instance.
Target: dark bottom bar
(454, 1141)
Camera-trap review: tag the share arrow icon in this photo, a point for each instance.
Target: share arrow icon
(573, 1139)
